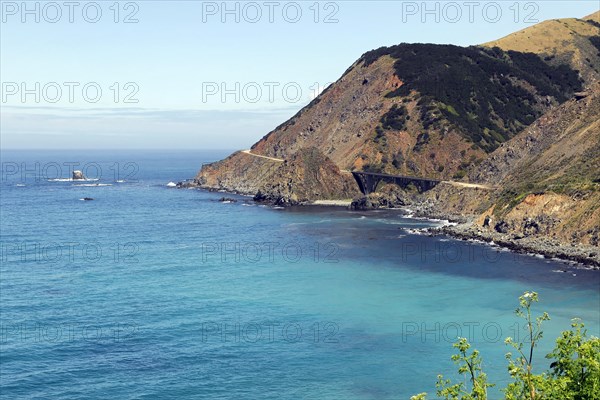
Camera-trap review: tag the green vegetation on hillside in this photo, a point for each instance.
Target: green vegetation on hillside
(488, 94)
(574, 372)
(395, 118)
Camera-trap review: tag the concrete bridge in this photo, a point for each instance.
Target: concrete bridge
(368, 181)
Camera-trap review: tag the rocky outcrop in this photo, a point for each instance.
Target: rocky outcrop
(389, 196)
(307, 176)
(570, 219)
(548, 247)
(78, 175)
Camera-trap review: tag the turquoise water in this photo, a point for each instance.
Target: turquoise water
(149, 292)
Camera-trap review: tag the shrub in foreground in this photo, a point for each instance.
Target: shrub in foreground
(574, 372)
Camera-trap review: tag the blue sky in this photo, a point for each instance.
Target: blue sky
(186, 74)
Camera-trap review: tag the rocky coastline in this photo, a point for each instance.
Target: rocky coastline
(460, 226)
(587, 256)
(466, 227)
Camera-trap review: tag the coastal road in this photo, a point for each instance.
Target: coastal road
(265, 157)
(345, 171)
(469, 185)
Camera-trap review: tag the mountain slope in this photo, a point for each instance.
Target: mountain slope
(413, 109)
(561, 41)
(560, 150)
(548, 177)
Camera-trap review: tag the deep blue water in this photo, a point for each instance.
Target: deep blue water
(149, 292)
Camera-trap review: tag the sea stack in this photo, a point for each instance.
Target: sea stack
(78, 175)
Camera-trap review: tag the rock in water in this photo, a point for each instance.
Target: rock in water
(78, 175)
(87, 199)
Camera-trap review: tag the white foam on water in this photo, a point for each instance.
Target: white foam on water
(72, 180)
(171, 184)
(415, 231)
(94, 184)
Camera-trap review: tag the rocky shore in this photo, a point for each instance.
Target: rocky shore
(465, 225)
(588, 256)
(470, 227)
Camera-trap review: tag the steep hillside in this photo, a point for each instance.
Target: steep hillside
(559, 151)
(549, 176)
(413, 109)
(308, 175)
(561, 41)
(519, 115)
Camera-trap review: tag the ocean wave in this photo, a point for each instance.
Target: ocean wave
(94, 184)
(73, 180)
(414, 231)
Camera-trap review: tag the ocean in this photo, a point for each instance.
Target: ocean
(153, 292)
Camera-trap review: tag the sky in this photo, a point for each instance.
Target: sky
(203, 74)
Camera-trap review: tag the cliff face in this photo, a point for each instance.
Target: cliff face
(308, 175)
(572, 219)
